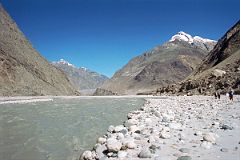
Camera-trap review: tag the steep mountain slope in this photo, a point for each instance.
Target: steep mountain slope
(23, 71)
(82, 78)
(166, 64)
(219, 69)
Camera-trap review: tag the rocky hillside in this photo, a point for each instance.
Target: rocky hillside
(219, 69)
(23, 71)
(163, 65)
(82, 78)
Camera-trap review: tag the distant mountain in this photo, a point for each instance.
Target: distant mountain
(165, 64)
(82, 78)
(23, 71)
(219, 69)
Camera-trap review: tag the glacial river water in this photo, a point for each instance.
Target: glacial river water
(60, 129)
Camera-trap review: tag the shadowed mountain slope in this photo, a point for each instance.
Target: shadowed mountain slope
(23, 71)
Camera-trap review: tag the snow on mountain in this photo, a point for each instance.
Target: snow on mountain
(203, 40)
(83, 68)
(81, 78)
(62, 61)
(182, 36)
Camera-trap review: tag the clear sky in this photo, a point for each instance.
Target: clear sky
(103, 35)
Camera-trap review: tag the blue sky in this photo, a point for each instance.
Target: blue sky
(103, 35)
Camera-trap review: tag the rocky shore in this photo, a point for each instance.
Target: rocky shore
(175, 128)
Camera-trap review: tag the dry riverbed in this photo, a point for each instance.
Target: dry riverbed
(176, 128)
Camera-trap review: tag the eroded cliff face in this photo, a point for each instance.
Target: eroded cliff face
(219, 70)
(170, 63)
(23, 71)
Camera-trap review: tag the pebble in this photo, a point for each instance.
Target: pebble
(153, 148)
(226, 127)
(133, 128)
(101, 140)
(175, 125)
(87, 155)
(184, 150)
(209, 137)
(131, 145)
(165, 135)
(122, 154)
(111, 128)
(100, 149)
(130, 122)
(184, 158)
(113, 145)
(206, 145)
(182, 136)
(145, 153)
(119, 128)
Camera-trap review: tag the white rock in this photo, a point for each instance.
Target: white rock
(113, 145)
(119, 128)
(131, 145)
(99, 150)
(122, 154)
(120, 136)
(101, 140)
(206, 145)
(148, 121)
(111, 128)
(166, 129)
(87, 155)
(145, 153)
(175, 125)
(130, 122)
(134, 128)
(209, 137)
(151, 139)
(182, 136)
(218, 72)
(167, 117)
(165, 135)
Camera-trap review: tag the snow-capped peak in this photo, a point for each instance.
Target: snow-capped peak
(182, 36)
(204, 40)
(84, 68)
(62, 61)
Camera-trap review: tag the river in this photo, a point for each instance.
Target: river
(60, 129)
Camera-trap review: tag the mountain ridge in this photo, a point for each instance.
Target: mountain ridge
(23, 70)
(82, 78)
(164, 64)
(219, 70)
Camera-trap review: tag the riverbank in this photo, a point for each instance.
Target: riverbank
(30, 99)
(183, 128)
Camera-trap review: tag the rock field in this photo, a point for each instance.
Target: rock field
(175, 128)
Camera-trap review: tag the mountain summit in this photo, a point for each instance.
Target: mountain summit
(204, 43)
(166, 64)
(63, 62)
(219, 70)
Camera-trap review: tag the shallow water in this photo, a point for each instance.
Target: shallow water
(60, 129)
